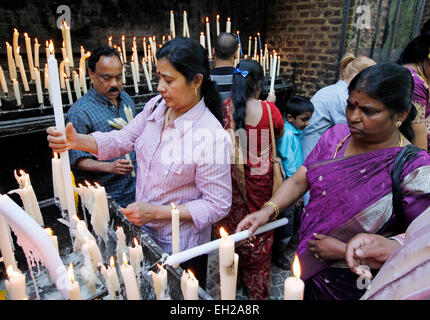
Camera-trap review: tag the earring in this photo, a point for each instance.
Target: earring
(398, 124)
(195, 90)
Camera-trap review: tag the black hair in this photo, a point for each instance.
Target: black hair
(100, 52)
(244, 88)
(392, 85)
(189, 58)
(225, 46)
(417, 49)
(298, 105)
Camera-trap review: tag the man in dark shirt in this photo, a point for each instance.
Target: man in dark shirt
(104, 102)
(224, 52)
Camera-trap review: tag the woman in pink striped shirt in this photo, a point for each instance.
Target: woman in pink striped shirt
(182, 152)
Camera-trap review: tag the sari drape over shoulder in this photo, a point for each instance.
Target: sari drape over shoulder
(350, 195)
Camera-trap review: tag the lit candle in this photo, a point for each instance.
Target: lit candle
(129, 280)
(15, 44)
(69, 91)
(68, 40)
(3, 81)
(121, 247)
(11, 62)
(82, 70)
(279, 66)
(149, 64)
(82, 234)
(133, 72)
(228, 26)
(36, 53)
(29, 56)
(189, 286)
(57, 179)
(145, 50)
(172, 24)
(6, 244)
(82, 51)
(54, 85)
(255, 48)
(249, 46)
(62, 73)
(100, 212)
(38, 86)
(136, 64)
(73, 288)
(136, 257)
(239, 50)
(202, 39)
(124, 53)
(94, 251)
(175, 230)
(145, 70)
(110, 41)
(217, 25)
(273, 73)
(228, 266)
(294, 286)
(76, 85)
(111, 279)
(46, 76)
(153, 47)
(208, 35)
(66, 66)
(15, 285)
(53, 238)
(17, 92)
(259, 43)
(22, 72)
(186, 32)
(160, 282)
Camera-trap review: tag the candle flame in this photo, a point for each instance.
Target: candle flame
(11, 272)
(18, 50)
(124, 258)
(191, 274)
(80, 185)
(35, 40)
(228, 19)
(65, 23)
(71, 273)
(51, 48)
(202, 33)
(173, 205)
(223, 233)
(110, 38)
(97, 185)
(55, 154)
(49, 231)
(160, 267)
(112, 262)
(136, 243)
(88, 184)
(26, 35)
(7, 44)
(217, 16)
(75, 217)
(237, 31)
(22, 172)
(15, 30)
(47, 43)
(171, 11)
(296, 267)
(207, 19)
(123, 37)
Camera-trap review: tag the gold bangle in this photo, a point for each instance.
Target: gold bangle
(275, 207)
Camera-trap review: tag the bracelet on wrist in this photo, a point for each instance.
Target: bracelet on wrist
(275, 208)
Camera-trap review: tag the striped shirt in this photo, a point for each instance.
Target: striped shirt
(89, 114)
(177, 165)
(223, 78)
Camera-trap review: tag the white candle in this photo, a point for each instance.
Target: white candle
(66, 64)
(172, 24)
(6, 244)
(202, 39)
(22, 72)
(88, 270)
(62, 73)
(53, 238)
(189, 286)
(273, 73)
(133, 72)
(206, 248)
(255, 48)
(279, 66)
(294, 286)
(226, 249)
(82, 70)
(69, 91)
(68, 40)
(76, 85)
(54, 83)
(121, 247)
(73, 287)
(153, 47)
(249, 46)
(175, 230)
(123, 66)
(100, 212)
(228, 261)
(149, 64)
(136, 257)
(17, 92)
(15, 44)
(15, 285)
(3, 81)
(83, 235)
(208, 35)
(228, 25)
(217, 25)
(36, 53)
(129, 280)
(39, 90)
(124, 52)
(82, 51)
(29, 56)
(145, 50)
(110, 41)
(46, 76)
(136, 64)
(160, 283)
(184, 31)
(11, 62)
(111, 279)
(146, 72)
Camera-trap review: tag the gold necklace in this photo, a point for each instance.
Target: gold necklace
(340, 144)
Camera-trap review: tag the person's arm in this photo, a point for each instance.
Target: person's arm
(119, 166)
(73, 140)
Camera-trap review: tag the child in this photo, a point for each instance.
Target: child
(297, 114)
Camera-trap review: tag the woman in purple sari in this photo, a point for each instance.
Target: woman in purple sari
(349, 177)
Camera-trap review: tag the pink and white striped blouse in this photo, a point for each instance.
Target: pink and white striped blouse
(188, 163)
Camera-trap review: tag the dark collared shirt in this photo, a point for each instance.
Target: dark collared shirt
(90, 114)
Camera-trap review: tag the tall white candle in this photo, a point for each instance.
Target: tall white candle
(3, 81)
(228, 26)
(160, 283)
(17, 92)
(54, 82)
(11, 62)
(53, 238)
(69, 91)
(189, 286)
(22, 72)
(136, 257)
(36, 53)
(46, 76)
(124, 52)
(68, 41)
(121, 246)
(133, 72)
(293, 286)
(175, 230)
(149, 64)
(228, 263)
(208, 35)
(82, 70)
(123, 66)
(279, 66)
(29, 56)
(76, 85)
(136, 64)
(273, 73)
(111, 279)
(185, 22)
(145, 50)
(172, 24)
(15, 44)
(202, 39)
(73, 287)
(39, 90)
(249, 46)
(255, 48)
(62, 73)
(6, 244)
(129, 280)
(100, 212)
(15, 285)
(146, 72)
(217, 25)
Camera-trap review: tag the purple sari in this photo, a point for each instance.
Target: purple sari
(350, 195)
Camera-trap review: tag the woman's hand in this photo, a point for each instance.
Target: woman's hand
(327, 248)
(255, 220)
(140, 213)
(58, 142)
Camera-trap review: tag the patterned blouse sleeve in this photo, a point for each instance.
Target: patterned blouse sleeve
(420, 98)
